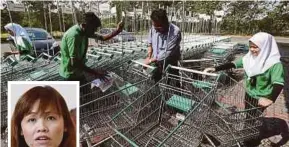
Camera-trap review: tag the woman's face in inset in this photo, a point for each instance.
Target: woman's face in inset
(254, 49)
(42, 129)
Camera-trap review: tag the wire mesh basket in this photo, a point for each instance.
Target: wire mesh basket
(236, 115)
(150, 119)
(98, 106)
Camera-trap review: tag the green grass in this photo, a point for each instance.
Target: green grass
(4, 35)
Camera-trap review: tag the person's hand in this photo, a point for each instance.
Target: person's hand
(210, 69)
(101, 74)
(147, 61)
(264, 102)
(120, 26)
(6, 54)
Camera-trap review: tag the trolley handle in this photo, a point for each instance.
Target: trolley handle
(126, 50)
(30, 58)
(12, 62)
(56, 58)
(57, 54)
(45, 56)
(105, 54)
(192, 71)
(131, 142)
(96, 49)
(138, 49)
(94, 56)
(142, 64)
(197, 60)
(116, 52)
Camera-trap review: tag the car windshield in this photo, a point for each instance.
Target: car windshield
(37, 35)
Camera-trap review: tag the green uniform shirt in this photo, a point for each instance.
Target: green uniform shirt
(264, 81)
(73, 45)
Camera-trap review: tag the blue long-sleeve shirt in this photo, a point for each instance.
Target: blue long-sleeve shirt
(159, 43)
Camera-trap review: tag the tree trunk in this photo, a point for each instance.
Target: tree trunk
(118, 12)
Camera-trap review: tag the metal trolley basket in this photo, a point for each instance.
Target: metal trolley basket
(11, 69)
(46, 72)
(235, 116)
(149, 121)
(97, 107)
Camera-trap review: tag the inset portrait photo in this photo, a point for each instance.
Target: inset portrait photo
(43, 113)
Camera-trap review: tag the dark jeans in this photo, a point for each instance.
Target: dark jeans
(157, 76)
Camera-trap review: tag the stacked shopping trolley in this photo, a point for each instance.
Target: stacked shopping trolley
(135, 110)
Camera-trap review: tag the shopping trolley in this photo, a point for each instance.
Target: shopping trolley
(117, 64)
(148, 121)
(45, 72)
(221, 54)
(198, 64)
(124, 75)
(12, 68)
(97, 107)
(235, 117)
(120, 58)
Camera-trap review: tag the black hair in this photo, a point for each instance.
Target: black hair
(160, 15)
(92, 19)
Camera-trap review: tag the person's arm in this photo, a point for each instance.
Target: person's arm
(6, 54)
(277, 88)
(150, 58)
(111, 35)
(225, 66)
(75, 62)
(150, 51)
(105, 37)
(74, 45)
(14, 52)
(237, 64)
(277, 79)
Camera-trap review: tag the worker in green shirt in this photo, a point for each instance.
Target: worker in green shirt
(264, 73)
(264, 76)
(74, 46)
(21, 40)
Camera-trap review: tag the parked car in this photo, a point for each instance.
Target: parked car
(122, 36)
(42, 41)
